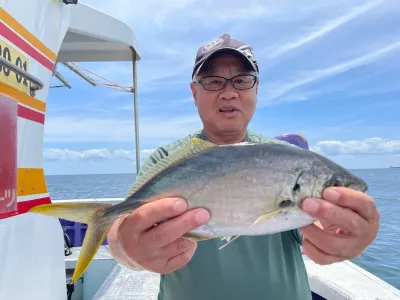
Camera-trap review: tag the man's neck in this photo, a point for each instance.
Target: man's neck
(225, 139)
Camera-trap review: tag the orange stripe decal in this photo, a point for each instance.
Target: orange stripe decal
(22, 98)
(21, 30)
(30, 181)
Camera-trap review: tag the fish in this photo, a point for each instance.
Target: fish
(249, 189)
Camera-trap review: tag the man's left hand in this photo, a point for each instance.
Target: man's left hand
(348, 224)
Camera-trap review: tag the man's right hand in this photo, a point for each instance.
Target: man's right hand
(135, 239)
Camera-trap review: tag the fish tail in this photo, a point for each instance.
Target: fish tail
(97, 227)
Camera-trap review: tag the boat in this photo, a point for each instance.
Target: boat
(38, 253)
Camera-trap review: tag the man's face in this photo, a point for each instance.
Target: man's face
(227, 111)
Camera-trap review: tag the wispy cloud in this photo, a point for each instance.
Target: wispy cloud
(326, 28)
(162, 12)
(374, 145)
(73, 129)
(170, 38)
(278, 90)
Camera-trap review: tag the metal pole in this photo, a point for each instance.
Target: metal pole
(135, 103)
(36, 81)
(74, 69)
(61, 78)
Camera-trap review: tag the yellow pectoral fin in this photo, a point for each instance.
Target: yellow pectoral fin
(197, 238)
(259, 219)
(266, 216)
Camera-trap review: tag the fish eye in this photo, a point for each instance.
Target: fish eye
(286, 203)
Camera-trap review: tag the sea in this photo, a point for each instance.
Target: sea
(381, 258)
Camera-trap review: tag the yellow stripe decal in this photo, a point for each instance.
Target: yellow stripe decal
(31, 181)
(22, 98)
(21, 30)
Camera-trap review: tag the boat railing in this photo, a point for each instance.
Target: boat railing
(93, 200)
(36, 84)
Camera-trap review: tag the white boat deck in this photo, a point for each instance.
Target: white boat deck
(345, 280)
(123, 283)
(106, 279)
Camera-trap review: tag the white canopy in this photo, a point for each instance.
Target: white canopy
(95, 36)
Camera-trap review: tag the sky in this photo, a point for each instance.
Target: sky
(328, 69)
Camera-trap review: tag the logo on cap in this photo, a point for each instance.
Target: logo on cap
(247, 51)
(212, 45)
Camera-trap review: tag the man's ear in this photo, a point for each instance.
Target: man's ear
(194, 92)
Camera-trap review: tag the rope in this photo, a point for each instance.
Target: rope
(111, 85)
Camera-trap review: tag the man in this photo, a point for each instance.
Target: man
(261, 267)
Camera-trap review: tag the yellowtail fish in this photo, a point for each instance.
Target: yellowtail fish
(248, 188)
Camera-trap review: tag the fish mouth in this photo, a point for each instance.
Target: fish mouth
(363, 185)
(357, 184)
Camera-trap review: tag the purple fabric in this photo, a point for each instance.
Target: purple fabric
(76, 232)
(294, 138)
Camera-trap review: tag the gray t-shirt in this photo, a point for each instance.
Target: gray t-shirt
(268, 267)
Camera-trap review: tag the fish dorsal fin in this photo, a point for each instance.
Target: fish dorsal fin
(194, 147)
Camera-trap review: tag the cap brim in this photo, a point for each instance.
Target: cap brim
(224, 50)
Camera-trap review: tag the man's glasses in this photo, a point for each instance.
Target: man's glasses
(216, 83)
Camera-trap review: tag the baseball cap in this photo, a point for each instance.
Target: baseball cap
(224, 43)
